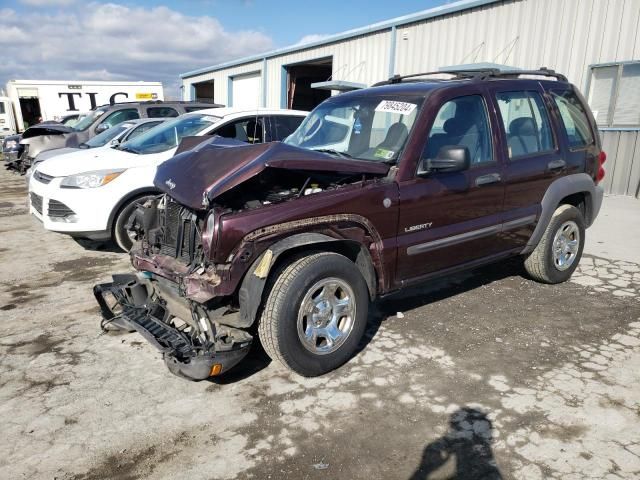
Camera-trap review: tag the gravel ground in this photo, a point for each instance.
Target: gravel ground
(484, 375)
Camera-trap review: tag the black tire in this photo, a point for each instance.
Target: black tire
(278, 325)
(120, 235)
(540, 263)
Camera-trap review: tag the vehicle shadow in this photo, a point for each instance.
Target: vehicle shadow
(436, 290)
(256, 360)
(98, 246)
(463, 453)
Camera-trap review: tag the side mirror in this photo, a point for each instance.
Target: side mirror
(114, 142)
(450, 158)
(102, 127)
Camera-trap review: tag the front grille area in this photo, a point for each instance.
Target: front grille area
(180, 238)
(59, 210)
(41, 177)
(36, 202)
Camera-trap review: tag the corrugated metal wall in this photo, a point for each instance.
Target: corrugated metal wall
(566, 35)
(623, 162)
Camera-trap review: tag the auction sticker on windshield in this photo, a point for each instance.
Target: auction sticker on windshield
(384, 153)
(393, 106)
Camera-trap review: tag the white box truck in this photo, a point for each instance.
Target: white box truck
(31, 101)
(7, 119)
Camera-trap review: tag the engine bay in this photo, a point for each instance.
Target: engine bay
(274, 186)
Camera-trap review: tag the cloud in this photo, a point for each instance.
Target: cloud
(117, 42)
(314, 37)
(47, 3)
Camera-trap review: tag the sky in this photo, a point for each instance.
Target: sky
(156, 41)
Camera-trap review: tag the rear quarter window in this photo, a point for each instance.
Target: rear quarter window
(574, 118)
(195, 108)
(161, 112)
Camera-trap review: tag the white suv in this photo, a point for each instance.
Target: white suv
(93, 193)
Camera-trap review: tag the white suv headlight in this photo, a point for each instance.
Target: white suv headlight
(93, 179)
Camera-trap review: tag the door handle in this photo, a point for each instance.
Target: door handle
(556, 164)
(488, 179)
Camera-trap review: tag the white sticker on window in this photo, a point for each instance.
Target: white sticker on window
(384, 153)
(392, 106)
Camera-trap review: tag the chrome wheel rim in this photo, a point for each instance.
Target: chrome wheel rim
(566, 243)
(326, 316)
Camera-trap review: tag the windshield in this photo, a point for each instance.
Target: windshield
(368, 128)
(88, 120)
(106, 136)
(168, 134)
(70, 122)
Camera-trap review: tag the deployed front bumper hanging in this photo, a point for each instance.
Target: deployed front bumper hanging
(125, 305)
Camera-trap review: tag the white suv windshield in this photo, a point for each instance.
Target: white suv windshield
(368, 128)
(106, 136)
(168, 134)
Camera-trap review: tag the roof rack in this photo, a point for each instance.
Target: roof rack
(148, 102)
(477, 74)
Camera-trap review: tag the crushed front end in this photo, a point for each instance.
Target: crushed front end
(170, 301)
(202, 249)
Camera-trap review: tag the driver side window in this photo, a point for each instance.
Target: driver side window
(462, 121)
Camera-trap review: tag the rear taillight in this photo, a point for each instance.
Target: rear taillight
(601, 159)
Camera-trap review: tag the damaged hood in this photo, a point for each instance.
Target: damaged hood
(43, 142)
(46, 129)
(213, 168)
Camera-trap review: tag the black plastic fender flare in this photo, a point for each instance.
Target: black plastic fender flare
(252, 287)
(559, 189)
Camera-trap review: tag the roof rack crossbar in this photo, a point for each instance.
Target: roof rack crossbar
(480, 74)
(159, 102)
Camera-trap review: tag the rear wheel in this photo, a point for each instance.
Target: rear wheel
(315, 314)
(558, 253)
(121, 236)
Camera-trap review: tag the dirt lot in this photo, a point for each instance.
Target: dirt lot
(485, 375)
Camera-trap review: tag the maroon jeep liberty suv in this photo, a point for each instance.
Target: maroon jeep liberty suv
(377, 190)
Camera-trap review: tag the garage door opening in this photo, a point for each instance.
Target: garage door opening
(30, 108)
(300, 95)
(204, 91)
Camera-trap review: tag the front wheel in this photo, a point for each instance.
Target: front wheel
(123, 238)
(558, 253)
(315, 314)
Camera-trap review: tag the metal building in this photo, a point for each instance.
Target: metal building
(596, 43)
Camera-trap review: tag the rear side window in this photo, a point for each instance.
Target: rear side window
(574, 118)
(248, 130)
(161, 112)
(2, 110)
(120, 116)
(526, 123)
(464, 122)
(282, 126)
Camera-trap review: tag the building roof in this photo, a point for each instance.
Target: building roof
(84, 82)
(440, 11)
